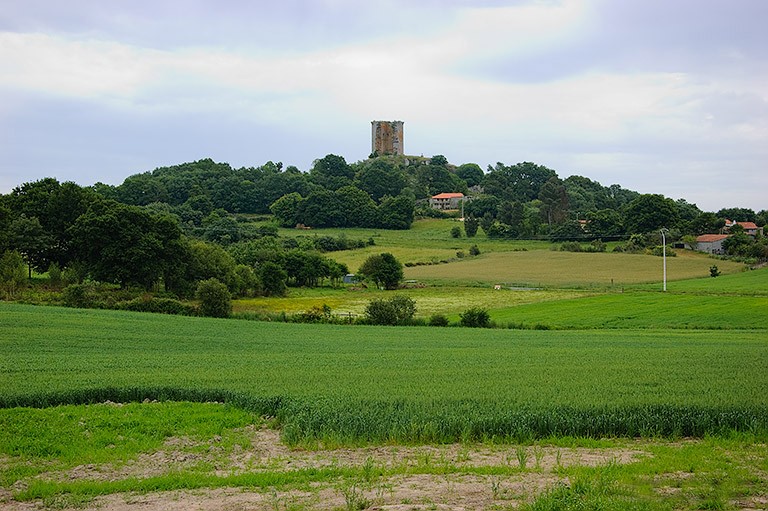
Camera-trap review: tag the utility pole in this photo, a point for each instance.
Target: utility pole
(664, 254)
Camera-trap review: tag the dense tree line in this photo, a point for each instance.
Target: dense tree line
(176, 226)
(77, 235)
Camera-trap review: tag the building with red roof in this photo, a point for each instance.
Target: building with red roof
(444, 201)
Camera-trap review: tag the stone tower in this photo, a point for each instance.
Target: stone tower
(387, 137)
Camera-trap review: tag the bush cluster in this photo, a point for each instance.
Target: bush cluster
(158, 305)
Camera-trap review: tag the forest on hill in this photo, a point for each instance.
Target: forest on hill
(177, 226)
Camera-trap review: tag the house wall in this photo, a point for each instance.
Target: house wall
(711, 247)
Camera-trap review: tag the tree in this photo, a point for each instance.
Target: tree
(286, 209)
(398, 310)
(125, 244)
(706, 223)
(438, 159)
(512, 213)
(554, 201)
(381, 177)
(332, 172)
(273, 279)
(396, 212)
(215, 300)
(520, 182)
(434, 179)
(209, 261)
(737, 214)
(471, 173)
(604, 223)
(320, 209)
(224, 230)
(475, 317)
(650, 212)
(28, 237)
(357, 209)
(382, 269)
(470, 226)
(13, 275)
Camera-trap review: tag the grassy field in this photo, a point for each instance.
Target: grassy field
(642, 310)
(669, 390)
(544, 268)
(448, 300)
(394, 384)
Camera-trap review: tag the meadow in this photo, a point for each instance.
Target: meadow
(596, 360)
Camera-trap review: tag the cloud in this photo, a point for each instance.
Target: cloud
(611, 90)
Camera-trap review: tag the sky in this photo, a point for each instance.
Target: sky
(658, 96)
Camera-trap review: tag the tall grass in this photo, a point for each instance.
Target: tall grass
(379, 384)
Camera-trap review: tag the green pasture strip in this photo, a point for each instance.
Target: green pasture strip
(430, 233)
(393, 384)
(748, 282)
(183, 480)
(71, 435)
(429, 300)
(641, 310)
(542, 268)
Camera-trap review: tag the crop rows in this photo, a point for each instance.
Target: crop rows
(379, 384)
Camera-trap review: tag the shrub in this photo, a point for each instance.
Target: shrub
(570, 246)
(54, 274)
(470, 226)
(316, 314)
(473, 250)
(475, 317)
(215, 300)
(455, 231)
(13, 274)
(158, 306)
(438, 320)
(659, 251)
(714, 271)
(398, 310)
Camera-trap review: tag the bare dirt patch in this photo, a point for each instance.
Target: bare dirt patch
(415, 484)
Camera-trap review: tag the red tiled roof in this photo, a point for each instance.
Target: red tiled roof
(747, 225)
(709, 238)
(448, 196)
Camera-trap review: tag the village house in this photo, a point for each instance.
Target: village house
(711, 243)
(445, 201)
(750, 228)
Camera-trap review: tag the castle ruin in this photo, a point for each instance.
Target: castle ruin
(387, 137)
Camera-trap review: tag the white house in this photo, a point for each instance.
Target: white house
(711, 243)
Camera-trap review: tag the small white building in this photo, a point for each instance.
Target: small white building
(711, 243)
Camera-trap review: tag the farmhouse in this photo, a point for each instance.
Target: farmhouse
(750, 228)
(444, 201)
(711, 243)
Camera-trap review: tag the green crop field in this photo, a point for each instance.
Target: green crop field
(379, 384)
(642, 310)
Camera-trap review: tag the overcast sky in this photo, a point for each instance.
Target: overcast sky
(659, 96)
